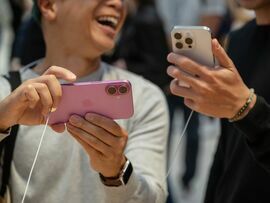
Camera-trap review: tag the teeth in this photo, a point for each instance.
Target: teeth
(112, 20)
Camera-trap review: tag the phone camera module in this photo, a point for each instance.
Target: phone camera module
(179, 45)
(178, 35)
(189, 41)
(123, 89)
(111, 90)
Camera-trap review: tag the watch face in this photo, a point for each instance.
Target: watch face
(122, 179)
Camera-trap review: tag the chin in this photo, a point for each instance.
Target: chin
(107, 47)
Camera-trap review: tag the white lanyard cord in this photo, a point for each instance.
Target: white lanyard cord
(35, 159)
(43, 134)
(178, 146)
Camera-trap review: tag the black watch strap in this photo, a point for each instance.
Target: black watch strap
(122, 179)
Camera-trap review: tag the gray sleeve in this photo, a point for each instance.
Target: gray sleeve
(146, 149)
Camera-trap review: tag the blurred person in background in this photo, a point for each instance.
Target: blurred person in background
(241, 167)
(20, 9)
(239, 14)
(29, 35)
(5, 21)
(12, 13)
(5, 17)
(192, 12)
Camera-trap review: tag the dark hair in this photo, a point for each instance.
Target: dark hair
(36, 12)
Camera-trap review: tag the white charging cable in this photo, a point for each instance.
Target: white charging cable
(178, 145)
(35, 159)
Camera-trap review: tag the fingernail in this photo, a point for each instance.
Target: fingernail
(216, 43)
(73, 76)
(75, 119)
(170, 57)
(53, 109)
(89, 116)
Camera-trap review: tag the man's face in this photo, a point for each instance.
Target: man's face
(254, 4)
(88, 26)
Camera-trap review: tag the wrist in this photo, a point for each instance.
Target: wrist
(244, 109)
(250, 106)
(122, 178)
(6, 119)
(3, 128)
(4, 125)
(116, 173)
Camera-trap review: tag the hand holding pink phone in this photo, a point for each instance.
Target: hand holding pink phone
(112, 99)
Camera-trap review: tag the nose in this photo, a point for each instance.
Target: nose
(117, 4)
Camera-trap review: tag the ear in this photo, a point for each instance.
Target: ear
(48, 9)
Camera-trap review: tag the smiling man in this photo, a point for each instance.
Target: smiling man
(112, 161)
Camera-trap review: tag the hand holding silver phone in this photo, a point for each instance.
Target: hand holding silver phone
(194, 42)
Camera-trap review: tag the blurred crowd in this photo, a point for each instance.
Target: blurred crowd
(153, 18)
(142, 47)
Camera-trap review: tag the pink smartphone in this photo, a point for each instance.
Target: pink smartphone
(112, 99)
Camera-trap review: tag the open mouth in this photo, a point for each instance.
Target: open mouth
(109, 21)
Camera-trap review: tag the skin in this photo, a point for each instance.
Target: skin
(261, 8)
(75, 42)
(218, 92)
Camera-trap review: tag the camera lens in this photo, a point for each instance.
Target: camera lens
(189, 40)
(123, 89)
(111, 90)
(177, 35)
(179, 45)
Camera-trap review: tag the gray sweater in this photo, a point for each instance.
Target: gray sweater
(63, 172)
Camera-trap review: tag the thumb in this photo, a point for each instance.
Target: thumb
(61, 73)
(59, 128)
(220, 54)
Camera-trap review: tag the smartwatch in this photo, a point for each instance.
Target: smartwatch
(121, 179)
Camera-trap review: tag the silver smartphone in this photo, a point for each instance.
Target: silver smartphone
(194, 42)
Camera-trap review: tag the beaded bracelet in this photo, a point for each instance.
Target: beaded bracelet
(244, 108)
